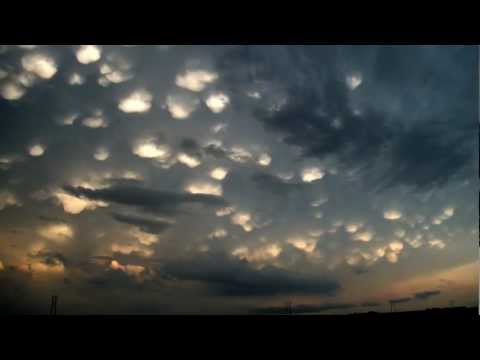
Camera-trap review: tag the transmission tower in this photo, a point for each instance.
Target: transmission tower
(53, 306)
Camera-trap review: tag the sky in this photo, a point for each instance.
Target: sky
(212, 179)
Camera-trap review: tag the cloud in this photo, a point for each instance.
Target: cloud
(217, 102)
(87, 54)
(59, 233)
(147, 199)
(219, 173)
(101, 154)
(12, 91)
(392, 215)
(264, 159)
(195, 80)
(96, 121)
(261, 254)
(139, 101)
(243, 219)
(312, 174)
(188, 160)
(425, 295)
(151, 226)
(204, 187)
(230, 277)
(181, 107)
(43, 66)
(37, 150)
(8, 199)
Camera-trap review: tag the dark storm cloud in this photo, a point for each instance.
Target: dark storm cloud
(305, 124)
(303, 309)
(232, 277)
(430, 86)
(146, 225)
(400, 300)
(430, 153)
(424, 295)
(147, 199)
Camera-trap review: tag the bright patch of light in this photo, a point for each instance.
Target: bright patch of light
(312, 174)
(195, 80)
(219, 234)
(354, 80)
(392, 215)
(43, 66)
(87, 54)
(262, 254)
(396, 246)
(219, 173)
(306, 245)
(181, 108)
(8, 199)
(365, 236)
(59, 233)
(205, 188)
(76, 79)
(352, 228)
(132, 270)
(264, 160)
(190, 161)
(96, 121)
(449, 212)
(243, 219)
(12, 91)
(139, 101)
(101, 154)
(74, 205)
(37, 150)
(217, 102)
(150, 150)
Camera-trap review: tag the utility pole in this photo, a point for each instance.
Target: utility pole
(53, 306)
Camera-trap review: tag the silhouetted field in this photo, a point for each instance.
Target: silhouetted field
(462, 313)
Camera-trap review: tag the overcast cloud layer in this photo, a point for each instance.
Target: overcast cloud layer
(169, 179)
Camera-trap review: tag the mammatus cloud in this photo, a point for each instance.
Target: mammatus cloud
(8, 199)
(196, 80)
(59, 233)
(87, 54)
(139, 101)
(180, 179)
(41, 65)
